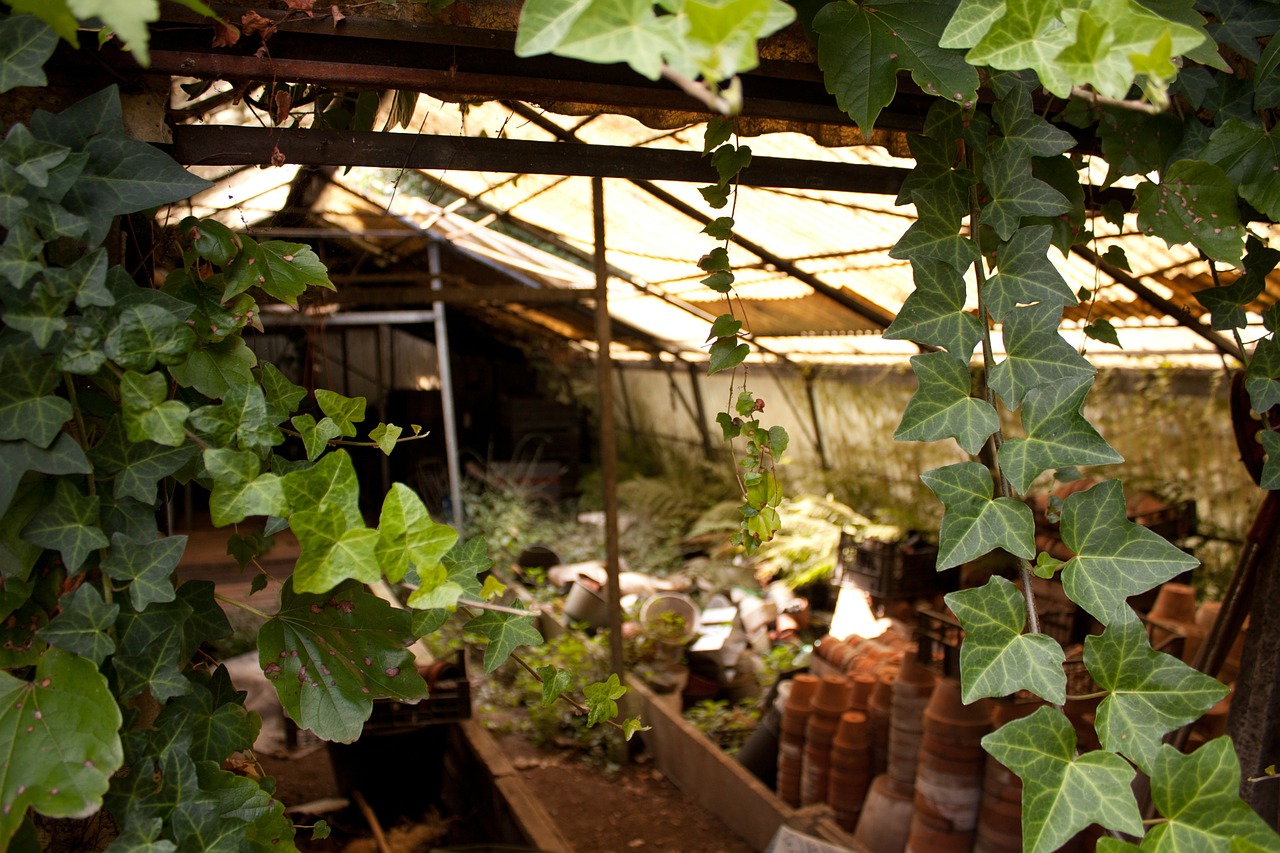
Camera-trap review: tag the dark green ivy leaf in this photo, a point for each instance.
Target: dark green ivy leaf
(83, 626)
(213, 368)
(239, 490)
(241, 419)
(329, 656)
(282, 396)
(152, 649)
(144, 334)
(27, 44)
(1037, 356)
(1026, 275)
(1195, 202)
(934, 312)
(315, 437)
(1058, 435)
(346, 412)
(147, 566)
(1102, 330)
(1262, 378)
(554, 682)
(18, 457)
(1226, 303)
(974, 524)
(68, 525)
(726, 354)
(942, 406)
(720, 228)
(506, 632)
(27, 409)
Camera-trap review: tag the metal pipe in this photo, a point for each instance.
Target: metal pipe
(446, 390)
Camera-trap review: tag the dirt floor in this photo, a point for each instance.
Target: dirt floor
(599, 809)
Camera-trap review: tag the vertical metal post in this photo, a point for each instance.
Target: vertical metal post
(818, 443)
(446, 389)
(695, 384)
(608, 438)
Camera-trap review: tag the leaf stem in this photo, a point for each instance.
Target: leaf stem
(342, 442)
(574, 703)
(1118, 103)
(499, 608)
(1084, 697)
(248, 608)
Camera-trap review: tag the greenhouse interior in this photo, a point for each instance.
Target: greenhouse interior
(584, 426)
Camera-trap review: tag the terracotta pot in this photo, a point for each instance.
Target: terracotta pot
(833, 695)
(862, 686)
(886, 818)
(1175, 602)
(946, 706)
(803, 687)
(1005, 712)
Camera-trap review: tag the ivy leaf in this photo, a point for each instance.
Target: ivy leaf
(1226, 303)
(83, 627)
(212, 369)
(386, 436)
(282, 396)
(1062, 794)
(147, 567)
(1024, 34)
(996, 658)
(19, 457)
(971, 21)
(718, 39)
(407, 535)
(620, 31)
(602, 699)
(1199, 796)
(86, 280)
(1271, 468)
(214, 713)
(147, 415)
(346, 412)
(1103, 331)
(1036, 355)
(41, 315)
(239, 490)
(942, 406)
(144, 334)
(1195, 202)
(935, 235)
(68, 525)
(554, 682)
(1015, 193)
(153, 648)
(934, 312)
(861, 49)
(720, 228)
(1151, 693)
(544, 24)
(1114, 558)
(726, 354)
(631, 725)
(506, 632)
(315, 437)
(329, 656)
(1058, 435)
(1026, 275)
(1266, 78)
(241, 419)
(1240, 24)
(331, 480)
(137, 467)
(332, 551)
(1046, 566)
(28, 44)
(1024, 132)
(729, 160)
(27, 409)
(936, 173)
(286, 270)
(974, 524)
(142, 836)
(462, 565)
(1262, 374)
(1247, 154)
(60, 736)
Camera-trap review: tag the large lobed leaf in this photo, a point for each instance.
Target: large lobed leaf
(1114, 558)
(974, 523)
(997, 658)
(1063, 793)
(59, 734)
(934, 312)
(1058, 435)
(329, 656)
(942, 406)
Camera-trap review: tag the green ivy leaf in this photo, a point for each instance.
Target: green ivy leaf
(1151, 693)
(285, 270)
(1036, 355)
(631, 725)
(315, 437)
(1046, 567)
(147, 414)
(83, 627)
(942, 407)
(239, 490)
(152, 648)
(331, 480)
(282, 396)
(1263, 373)
(212, 369)
(407, 535)
(1271, 468)
(1024, 132)
(1058, 435)
(1022, 34)
(142, 836)
(996, 658)
(1195, 202)
(137, 467)
(935, 235)
(330, 655)
(602, 699)
(41, 315)
(27, 45)
(1226, 303)
(1102, 330)
(60, 736)
(27, 409)
(19, 457)
(506, 632)
(68, 525)
(620, 31)
(386, 436)
(86, 280)
(1199, 796)
(1061, 793)
(544, 24)
(332, 550)
(1246, 153)
(214, 713)
(554, 682)
(729, 159)
(145, 334)
(720, 228)
(974, 523)
(1240, 24)
(1026, 275)
(934, 312)
(241, 420)
(147, 566)
(1114, 558)
(1016, 193)
(718, 39)
(861, 49)
(346, 412)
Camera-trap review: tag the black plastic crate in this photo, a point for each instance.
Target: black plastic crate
(888, 570)
(938, 638)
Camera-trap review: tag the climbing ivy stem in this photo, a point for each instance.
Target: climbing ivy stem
(245, 607)
(1006, 489)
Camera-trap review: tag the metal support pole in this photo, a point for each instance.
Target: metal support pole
(446, 389)
(818, 444)
(608, 437)
(695, 387)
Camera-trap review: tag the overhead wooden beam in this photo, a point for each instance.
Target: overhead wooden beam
(218, 145)
(421, 293)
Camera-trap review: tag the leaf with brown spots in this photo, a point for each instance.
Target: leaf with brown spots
(59, 734)
(329, 656)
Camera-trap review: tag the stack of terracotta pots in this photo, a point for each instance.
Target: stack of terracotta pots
(879, 712)
(1173, 616)
(949, 787)
(1000, 814)
(795, 720)
(911, 691)
(830, 701)
(863, 686)
(886, 816)
(850, 768)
